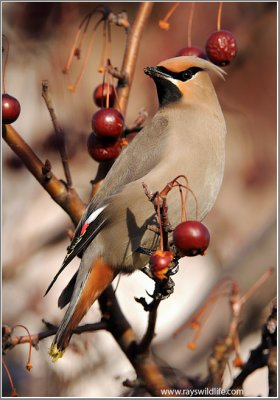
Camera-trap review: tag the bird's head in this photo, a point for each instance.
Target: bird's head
(183, 79)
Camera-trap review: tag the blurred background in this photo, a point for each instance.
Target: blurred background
(242, 223)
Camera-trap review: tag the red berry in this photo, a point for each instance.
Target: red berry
(191, 238)
(10, 109)
(159, 263)
(108, 122)
(191, 51)
(101, 149)
(221, 47)
(100, 95)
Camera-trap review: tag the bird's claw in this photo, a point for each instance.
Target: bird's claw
(143, 250)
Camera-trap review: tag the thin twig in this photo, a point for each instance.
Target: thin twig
(137, 124)
(59, 133)
(219, 358)
(11, 341)
(121, 76)
(260, 356)
(14, 391)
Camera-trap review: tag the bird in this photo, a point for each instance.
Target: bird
(186, 136)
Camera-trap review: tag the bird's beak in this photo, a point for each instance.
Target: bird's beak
(155, 72)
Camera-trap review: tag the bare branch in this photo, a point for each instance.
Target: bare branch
(67, 198)
(9, 341)
(131, 53)
(263, 355)
(146, 368)
(58, 131)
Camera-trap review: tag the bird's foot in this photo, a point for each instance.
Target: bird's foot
(163, 289)
(174, 267)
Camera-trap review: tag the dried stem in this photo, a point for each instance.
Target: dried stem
(171, 11)
(67, 198)
(267, 274)
(72, 52)
(73, 88)
(5, 63)
(190, 24)
(137, 124)
(14, 391)
(116, 73)
(219, 17)
(28, 363)
(219, 358)
(58, 131)
(12, 341)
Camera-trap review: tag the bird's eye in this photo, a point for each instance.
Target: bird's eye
(186, 75)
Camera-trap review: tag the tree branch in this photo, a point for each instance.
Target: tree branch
(263, 355)
(127, 71)
(9, 341)
(67, 198)
(145, 367)
(131, 53)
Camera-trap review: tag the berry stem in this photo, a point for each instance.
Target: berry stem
(190, 21)
(104, 46)
(73, 88)
(160, 222)
(267, 274)
(72, 51)
(219, 17)
(5, 62)
(28, 363)
(108, 87)
(109, 43)
(171, 11)
(14, 391)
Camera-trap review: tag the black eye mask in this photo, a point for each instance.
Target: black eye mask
(181, 76)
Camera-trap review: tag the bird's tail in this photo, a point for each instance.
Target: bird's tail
(96, 281)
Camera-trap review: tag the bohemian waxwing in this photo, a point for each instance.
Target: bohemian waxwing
(185, 137)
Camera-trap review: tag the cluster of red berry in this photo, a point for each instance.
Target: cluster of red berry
(191, 238)
(104, 143)
(221, 48)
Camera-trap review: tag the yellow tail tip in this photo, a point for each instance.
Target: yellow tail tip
(55, 353)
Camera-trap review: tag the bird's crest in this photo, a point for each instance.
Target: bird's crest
(178, 64)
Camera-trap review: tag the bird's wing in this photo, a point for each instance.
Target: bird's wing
(131, 165)
(84, 234)
(137, 160)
